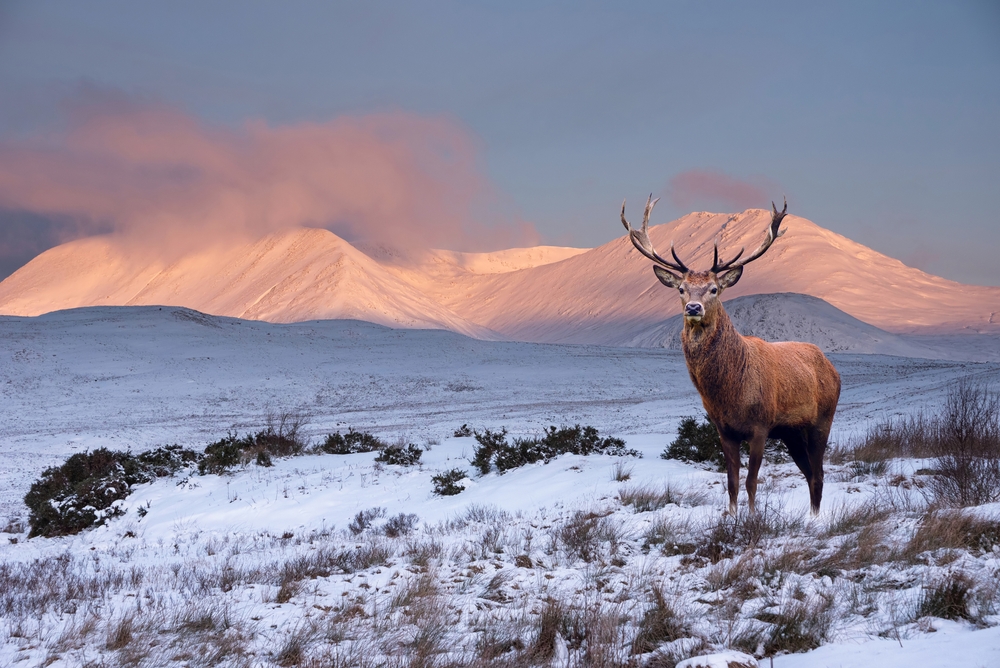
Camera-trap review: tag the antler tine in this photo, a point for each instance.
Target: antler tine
(640, 238)
(773, 232)
(717, 266)
(680, 265)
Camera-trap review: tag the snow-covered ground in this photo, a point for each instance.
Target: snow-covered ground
(481, 568)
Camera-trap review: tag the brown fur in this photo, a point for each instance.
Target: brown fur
(753, 390)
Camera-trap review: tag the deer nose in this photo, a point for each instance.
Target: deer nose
(693, 309)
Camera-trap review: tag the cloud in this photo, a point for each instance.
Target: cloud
(166, 181)
(704, 189)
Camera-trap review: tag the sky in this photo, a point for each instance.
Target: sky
(477, 126)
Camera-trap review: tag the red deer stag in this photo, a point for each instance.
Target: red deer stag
(751, 389)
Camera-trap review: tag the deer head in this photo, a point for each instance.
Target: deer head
(699, 290)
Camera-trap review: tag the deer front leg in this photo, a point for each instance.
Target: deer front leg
(753, 466)
(731, 453)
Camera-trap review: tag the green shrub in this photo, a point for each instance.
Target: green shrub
(351, 443)
(82, 492)
(696, 443)
(700, 443)
(400, 456)
(446, 484)
(232, 451)
(489, 443)
(495, 451)
(223, 455)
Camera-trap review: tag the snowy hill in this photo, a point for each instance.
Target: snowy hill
(263, 563)
(605, 295)
(794, 317)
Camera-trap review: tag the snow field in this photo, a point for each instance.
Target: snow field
(550, 564)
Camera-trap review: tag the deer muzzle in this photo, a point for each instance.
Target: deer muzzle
(694, 311)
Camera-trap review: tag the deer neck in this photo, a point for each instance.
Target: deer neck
(714, 351)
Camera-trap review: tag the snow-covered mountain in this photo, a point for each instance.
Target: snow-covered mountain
(787, 316)
(606, 295)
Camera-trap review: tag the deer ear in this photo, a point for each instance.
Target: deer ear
(728, 278)
(669, 279)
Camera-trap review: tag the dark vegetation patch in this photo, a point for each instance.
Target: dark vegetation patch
(82, 491)
(351, 443)
(447, 483)
(280, 438)
(463, 432)
(699, 443)
(494, 451)
(400, 455)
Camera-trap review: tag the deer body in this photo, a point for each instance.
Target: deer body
(752, 390)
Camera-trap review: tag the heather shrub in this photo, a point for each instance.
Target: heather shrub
(400, 455)
(82, 492)
(463, 431)
(447, 483)
(495, 452)
(699, 443)
(351, 443)
(275, 440)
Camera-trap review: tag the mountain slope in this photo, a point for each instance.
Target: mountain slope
(793, 317)
(304, 274)
(606, 295)
(602, 295)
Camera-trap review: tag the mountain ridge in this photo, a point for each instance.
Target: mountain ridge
(605, 295)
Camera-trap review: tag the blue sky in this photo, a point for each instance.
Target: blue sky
(877, 120)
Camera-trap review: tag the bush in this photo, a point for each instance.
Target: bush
(700, 443)
(223, 455)
(232, 451)
(495, 451)
(967, 447)
(400, 456)
(400, 525)
(463, 431)
(364, 519)
(489, 443)
(82, 492)
(696, 443)
(446, 484)
(351, 443)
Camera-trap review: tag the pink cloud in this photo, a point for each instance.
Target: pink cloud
(698, 188)
(170, 182)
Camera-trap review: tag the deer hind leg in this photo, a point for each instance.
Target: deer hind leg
(753, 466)
(731, 453)
(816, 448)
(798, 447)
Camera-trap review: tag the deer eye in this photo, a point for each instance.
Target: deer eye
(681, 290)
(715, 290)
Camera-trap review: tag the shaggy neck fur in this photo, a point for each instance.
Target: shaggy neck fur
(716, 355)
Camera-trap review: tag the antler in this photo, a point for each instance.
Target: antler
(772, 233)
(640, 239)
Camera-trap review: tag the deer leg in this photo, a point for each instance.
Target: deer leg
(731, 453)
(818, 437)
(798, 447)
(753, 466)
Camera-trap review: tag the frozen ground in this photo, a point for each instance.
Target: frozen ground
(136, 378)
